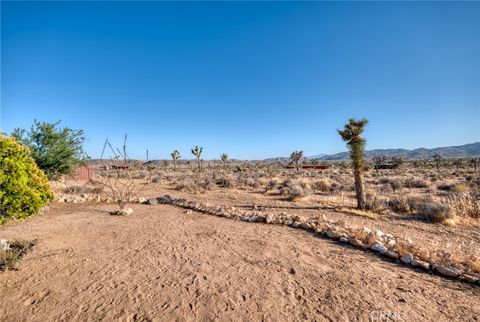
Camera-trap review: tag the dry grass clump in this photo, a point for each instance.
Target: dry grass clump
(455, 188)
(401, 205)
(322, 185)
(186, 184)
(251, 182)
(416, 183)
(394, 183)
(82, 189)
(272, 185)
(465, 206)
(225, 181)
(199, 184)
(17, 249)
(295, 189)
(438, 213)
(453, 210)
(358, 212)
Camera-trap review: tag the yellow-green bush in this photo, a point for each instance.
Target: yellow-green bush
(24, 188)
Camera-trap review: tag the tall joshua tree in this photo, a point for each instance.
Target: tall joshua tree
(437, 158)
(197, 152)
(175, 156)
(356, 144)
(224, 158)
(296, 156)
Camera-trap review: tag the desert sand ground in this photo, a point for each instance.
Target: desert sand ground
(167, 265)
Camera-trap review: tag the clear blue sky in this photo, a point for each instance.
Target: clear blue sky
(253, 79)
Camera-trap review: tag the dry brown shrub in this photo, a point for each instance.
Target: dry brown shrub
(295, 189)
(400, 205)
(226, 181)
(437, 212)
(323, 185)
(416, 183)
(455, 188)
(464, 205)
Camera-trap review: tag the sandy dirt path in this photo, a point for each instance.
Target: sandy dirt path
(161, 264)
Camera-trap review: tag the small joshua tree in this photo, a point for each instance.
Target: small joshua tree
(175, 156)
(474, 162)
(397, 161)
(224, 158)
(356, 144)
(296, 156)
(458, 163)
(438, 160)
(379, 159)
(197, 152)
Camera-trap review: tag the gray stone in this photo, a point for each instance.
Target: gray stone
(343, 239)
(470, 278)
(379, 248)
(152, 201)
(407, 258)
(390, 253)
(447, 270)
(420, 263)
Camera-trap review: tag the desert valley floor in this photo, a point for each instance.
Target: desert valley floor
(163, 263)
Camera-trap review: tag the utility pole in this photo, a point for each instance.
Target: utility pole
(147, 155)
(125, 148)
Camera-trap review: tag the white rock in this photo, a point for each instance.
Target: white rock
(142, 200)
(379, 248)
(391, 243)
(447, 270)
(343, 239)
(367, 230)
(4, 245)
(123, 212)
(407, 258)
(379, 234)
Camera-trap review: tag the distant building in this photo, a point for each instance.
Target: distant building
(309, 167)
(385, 166)
(82, 174)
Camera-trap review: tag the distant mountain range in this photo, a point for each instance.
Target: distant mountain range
(461, 151)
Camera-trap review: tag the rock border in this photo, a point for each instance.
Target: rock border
(382, 244)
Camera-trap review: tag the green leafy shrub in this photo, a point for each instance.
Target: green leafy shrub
(24, 188)
(57, 151)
